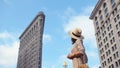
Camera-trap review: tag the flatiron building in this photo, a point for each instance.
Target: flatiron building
(30, 50)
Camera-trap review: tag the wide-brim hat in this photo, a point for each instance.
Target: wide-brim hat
(75, 33)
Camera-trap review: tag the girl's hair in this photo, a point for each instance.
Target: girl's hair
(73, 40)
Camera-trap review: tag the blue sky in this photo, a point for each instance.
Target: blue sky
(61, 16)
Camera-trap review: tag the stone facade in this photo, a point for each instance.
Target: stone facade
(30, 50)
(106, 19)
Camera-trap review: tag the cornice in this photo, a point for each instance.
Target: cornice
(98, 5)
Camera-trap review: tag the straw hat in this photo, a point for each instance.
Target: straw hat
(76, 33)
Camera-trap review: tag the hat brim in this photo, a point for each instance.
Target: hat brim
(72, 35)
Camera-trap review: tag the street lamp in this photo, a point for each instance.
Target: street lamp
(65, 65)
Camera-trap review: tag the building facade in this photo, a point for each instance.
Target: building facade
(30, 50)
(106, 19)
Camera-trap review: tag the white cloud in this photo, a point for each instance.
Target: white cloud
(82, 22)
(8, 54)
(8, 50)
(5, 35)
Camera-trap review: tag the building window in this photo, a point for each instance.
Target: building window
(106, 22)
(114, 56)
(109, 27)
(104, 40)
(119, 61)
(104, 32)
(108, 60)
(107, 53)
(97, 23)
(112, 40)
(116, 26)
(106, 12)
(113, 5)
(118, 17)
(98, 28)
(37, 26)
(95, 18)
(40, 20)
(115, 19)
(101, 17)
(99, 11)
(117, 54)
(119, 34)
(98, 39)
(114, 47)
(104, 56)
(115, 10)
(116, 63)
(102, 49)
(112, 1)
(112, 32)
(112, 66)
(105, 63)
(103, 35)
(113, 13)
(119, 24)
(107, 45)
(104, 5)
(99, 45)
(32, 31)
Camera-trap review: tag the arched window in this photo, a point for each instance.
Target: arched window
(104, 5)
(99, 11)
(95, 18)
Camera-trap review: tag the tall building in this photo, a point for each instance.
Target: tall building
(30, 50)
(106, 19)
